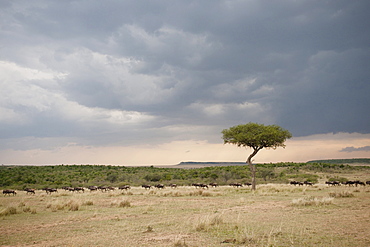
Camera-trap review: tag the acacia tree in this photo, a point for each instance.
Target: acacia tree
(256, 136)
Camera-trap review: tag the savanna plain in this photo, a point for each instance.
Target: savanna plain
(273, 215)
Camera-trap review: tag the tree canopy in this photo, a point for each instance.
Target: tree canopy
(256, 136)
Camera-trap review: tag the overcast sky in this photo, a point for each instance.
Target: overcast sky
(138, 82)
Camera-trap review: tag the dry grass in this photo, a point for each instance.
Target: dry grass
(341, 194)
(274, 215)
(312, 201)
(8, 211)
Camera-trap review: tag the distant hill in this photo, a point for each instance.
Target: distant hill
(343, 161)
(195, 164)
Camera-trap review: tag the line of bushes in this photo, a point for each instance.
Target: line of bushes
(20, 177)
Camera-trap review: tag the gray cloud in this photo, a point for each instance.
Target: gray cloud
(128, 72)
(353, 149)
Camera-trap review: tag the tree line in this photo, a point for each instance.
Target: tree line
(20, 177)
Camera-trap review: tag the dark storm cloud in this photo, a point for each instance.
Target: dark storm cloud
(353, 149)
(103, 72)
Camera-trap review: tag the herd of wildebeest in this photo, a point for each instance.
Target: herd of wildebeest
(162, 186)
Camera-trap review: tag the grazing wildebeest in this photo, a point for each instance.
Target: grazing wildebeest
(110, 188)
(79, 189)
(50, 190)
(71, 189)
(103, 188)
(92, 188)
(349, 183)
(8, 192)
(159, 186)
(360, 183)
(30, 191)
(146, 186)
(248, 184)
(308, 183)
(124, 187)
(173, 185)
(203, 186)
(213, 185)
(333, 183)
(368, 182)
(236, 185)
(196, 185)
(296, 183)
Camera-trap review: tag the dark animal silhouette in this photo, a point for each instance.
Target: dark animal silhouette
(146, 186)
(124, 187)
(8, 192)
(30, 191)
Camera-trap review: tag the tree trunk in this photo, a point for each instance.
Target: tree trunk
(253, 168)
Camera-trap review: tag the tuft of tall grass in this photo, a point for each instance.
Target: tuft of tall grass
(204, 224)
(124, 204)
(341, 194)
(312, 201)
(180, 243)
(70, 205)
(88, 203)
(8, 211)
(200, 193)
(73, 206)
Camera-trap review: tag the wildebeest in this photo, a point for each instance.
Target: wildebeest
(110, 188)
(159, 186)
(146, 186)
(124, 187)
(236, 185)
(196, 185)
(204, 186)
(103, 188)
(296, 183)
(368, 182)
(8, 192)
(173, 185)
(333, 183)
(308, 183)
(67, 188)
(354, 183)
(92, 188)
(213, 185)
(79, 189)
(50, 190)
(248, 184)
(30, 191)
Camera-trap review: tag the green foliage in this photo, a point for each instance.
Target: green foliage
(339, 179)
(266, 173)
(256, 136)
(38, 177)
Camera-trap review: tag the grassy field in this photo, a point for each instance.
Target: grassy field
(274, 215)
